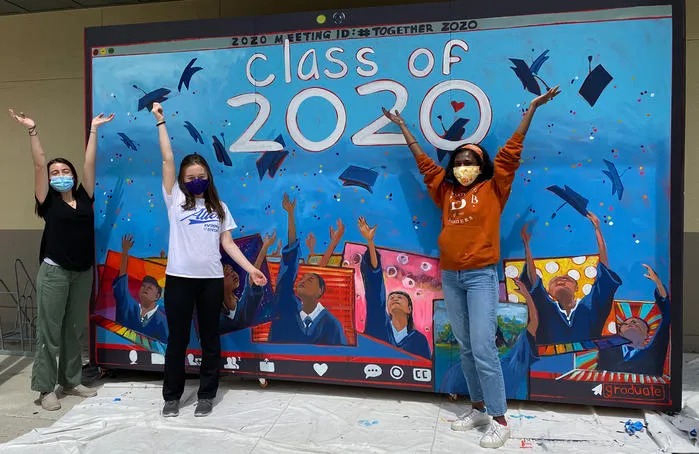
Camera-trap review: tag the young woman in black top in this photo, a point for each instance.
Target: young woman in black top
(64, 281)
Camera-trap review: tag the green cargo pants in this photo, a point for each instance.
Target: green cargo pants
(62, 299)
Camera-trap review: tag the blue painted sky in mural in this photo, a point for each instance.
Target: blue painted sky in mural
(629, 125)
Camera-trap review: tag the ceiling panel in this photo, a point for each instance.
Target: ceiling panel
(36, 6)
(9, 8)
(44, 5)
(89, 3)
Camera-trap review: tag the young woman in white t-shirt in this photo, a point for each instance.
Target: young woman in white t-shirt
(200, 224)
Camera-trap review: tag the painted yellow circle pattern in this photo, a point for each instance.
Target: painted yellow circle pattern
(581, 268)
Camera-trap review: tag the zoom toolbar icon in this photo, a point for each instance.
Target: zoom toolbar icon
(422, 374)
(396, 373)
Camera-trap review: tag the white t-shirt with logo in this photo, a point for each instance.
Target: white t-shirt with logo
(195, 237)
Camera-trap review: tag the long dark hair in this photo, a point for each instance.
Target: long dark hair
(211, 199)
(485, 163)
(52, 192)
(411, 324)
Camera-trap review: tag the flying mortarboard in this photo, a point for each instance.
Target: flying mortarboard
(455, 132)
(187, 74)
(193, 132)
(613, 174)
(528, 74)
(269, 162)
(359, 176)
(221, 155)
(147, 100)
(127, 141)
(570, 197)
(595, 83)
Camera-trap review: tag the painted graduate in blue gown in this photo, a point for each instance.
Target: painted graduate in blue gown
(240, 313)
(395, 326)
(639, 356)
(561, 318)
(515, 363)
(143, 315)
(300, 317)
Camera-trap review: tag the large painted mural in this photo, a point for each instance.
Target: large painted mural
(288, 112)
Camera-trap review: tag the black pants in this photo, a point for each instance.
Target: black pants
(182, 296)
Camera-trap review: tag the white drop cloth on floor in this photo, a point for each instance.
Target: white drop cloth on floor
(308, 418)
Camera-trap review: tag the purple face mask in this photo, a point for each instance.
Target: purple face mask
(197, 186)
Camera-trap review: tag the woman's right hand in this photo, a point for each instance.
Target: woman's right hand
(394, 117)
(22, 119)
(157, 112)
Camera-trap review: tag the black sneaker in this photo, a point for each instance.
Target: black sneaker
(204, 407)
(171, 408)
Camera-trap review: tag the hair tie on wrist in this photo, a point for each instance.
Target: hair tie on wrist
(161, 122)
(411, 144)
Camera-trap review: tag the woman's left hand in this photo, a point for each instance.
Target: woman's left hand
(101, 119)
(258, 278)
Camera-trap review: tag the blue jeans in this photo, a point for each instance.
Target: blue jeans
(471, 298)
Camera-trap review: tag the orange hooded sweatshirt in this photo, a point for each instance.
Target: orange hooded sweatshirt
(470, 236)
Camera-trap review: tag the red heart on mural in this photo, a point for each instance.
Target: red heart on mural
(457, 105)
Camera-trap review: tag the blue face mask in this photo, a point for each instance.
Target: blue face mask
(197, 186)
(63, 183)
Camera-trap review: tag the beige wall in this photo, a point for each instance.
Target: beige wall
(42, 74)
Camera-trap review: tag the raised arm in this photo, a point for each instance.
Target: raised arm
(433, 173)
(601, 244)
(91, 152)
(537, 102)
(289, 206)
(650, 274)
(267, 242)
(234, 252)
(311, 245)
(126, 245)
(532, 313)
(335, 237)
(508, 159)
(531, 268)
(169, 176)
(396, 118)
(368, 234)
(41, 175)
(374, 285)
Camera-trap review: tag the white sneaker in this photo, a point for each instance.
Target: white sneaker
(495, 436)
(49, 401)
(470, 419)
(80, 391)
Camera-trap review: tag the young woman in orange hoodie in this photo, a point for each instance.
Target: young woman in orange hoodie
(471, 192)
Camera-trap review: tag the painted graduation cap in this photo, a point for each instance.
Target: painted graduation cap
(455, 132)
(613, 174)
(147, 100)
(221, 154)
(127, 141)
(594, 84)
(187, 74)
(193, 132)
(528, 74)
(570, 197)
(359, 176)
(270, 161)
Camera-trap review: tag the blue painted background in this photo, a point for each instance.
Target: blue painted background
(629, 125)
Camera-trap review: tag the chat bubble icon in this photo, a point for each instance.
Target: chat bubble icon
(372, 370)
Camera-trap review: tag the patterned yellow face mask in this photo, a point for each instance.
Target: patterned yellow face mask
(466, 175)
